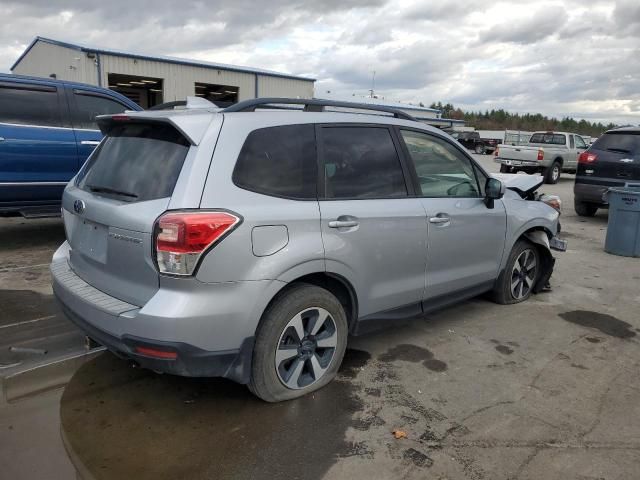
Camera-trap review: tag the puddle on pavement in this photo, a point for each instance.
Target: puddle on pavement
(120, 422)
(21, 305)
(413, 354)
(601, 321)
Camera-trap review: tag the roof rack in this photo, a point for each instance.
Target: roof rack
(313, 105)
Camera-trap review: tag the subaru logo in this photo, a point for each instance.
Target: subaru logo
(78, 206)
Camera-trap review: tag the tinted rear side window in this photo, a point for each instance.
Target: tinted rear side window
(88, 107)
(619, 142)
(136, 162)
(25, 106)
(279, 161)
(361, 162)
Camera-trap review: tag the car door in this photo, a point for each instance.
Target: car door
(37, 146)
(465, 239)
(85, 106)
(373, 231)
(580, 147)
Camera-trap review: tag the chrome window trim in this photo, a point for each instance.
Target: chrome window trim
(31, 184)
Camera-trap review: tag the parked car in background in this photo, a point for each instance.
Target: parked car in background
(472, 141)
(259, 268)
(612, 161)
(549, 153)
(47, 131)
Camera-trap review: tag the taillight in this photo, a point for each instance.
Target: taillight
(182, 238)
(587, 157)
(496, 151)
(540, 154)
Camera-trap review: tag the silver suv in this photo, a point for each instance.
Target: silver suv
(250, 242)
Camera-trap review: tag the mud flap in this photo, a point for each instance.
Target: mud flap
(546, 258)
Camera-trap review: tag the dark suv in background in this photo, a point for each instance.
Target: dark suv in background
(611, 161)
(47, 131)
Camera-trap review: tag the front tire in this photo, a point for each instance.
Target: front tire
(585, 209)
(300, 344)
(515, 284)
(552, 174)
(506, 169)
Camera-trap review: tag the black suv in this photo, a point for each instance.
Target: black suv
(612, 161)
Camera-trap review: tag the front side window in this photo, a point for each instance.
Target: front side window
(580, 142)
(361, 162)
(279, 161)
(88, 107)
(443, 171)
(24, 106)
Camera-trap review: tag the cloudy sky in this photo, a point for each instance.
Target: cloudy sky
(575, 58)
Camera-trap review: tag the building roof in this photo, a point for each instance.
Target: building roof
(159, 58)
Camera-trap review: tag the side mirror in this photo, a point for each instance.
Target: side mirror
(493, 190)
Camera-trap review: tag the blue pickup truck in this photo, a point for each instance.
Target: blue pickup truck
(47, 131)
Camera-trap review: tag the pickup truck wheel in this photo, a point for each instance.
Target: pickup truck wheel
(479, 149)
(506, 169)
(519, 276)
(552, 174)
(299, 345)
(585, 209)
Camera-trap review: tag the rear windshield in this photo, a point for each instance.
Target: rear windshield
(548, 138)
(136, 162)
(619, 142)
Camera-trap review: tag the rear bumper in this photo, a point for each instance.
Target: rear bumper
(591, 193)
(518, 163)
(190, 361)
(209, 327)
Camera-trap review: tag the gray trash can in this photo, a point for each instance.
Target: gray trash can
(623, 231)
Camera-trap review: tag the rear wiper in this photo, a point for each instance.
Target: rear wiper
(113, 191)
(621, 150)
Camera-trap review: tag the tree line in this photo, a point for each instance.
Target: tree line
(503, 120)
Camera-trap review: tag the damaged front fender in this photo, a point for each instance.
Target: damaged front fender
(540, 238)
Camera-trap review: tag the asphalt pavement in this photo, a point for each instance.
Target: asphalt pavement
(549, 388)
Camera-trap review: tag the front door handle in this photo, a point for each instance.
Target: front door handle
(89, 142)
(1, 139)
(342, 223)
(440, 218)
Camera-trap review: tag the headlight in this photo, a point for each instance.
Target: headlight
(552, 200)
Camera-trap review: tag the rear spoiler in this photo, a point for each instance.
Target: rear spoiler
(192, 127)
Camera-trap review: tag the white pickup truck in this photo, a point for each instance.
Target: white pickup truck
(549, 153)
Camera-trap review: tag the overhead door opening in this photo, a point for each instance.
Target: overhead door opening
(145, 91)
(221, 95)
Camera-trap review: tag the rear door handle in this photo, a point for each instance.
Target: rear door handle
(1, 139)
(342, 223)
(89, 142)
(440, 218)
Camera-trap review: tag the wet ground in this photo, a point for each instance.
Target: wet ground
(545, 389)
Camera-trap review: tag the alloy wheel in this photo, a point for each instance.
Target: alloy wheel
(523, 274)
(306, 348)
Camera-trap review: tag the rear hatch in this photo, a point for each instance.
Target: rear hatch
(617, 159)
(111, 208)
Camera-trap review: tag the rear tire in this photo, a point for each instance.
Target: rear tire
(520, 274)
(479, 149)
(552, 174)
(506, 169)
(286, 366)
(585, 209)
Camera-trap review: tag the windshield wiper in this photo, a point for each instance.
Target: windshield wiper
(621, 150)
(113, 191)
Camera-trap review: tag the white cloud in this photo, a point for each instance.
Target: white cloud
(556, 57)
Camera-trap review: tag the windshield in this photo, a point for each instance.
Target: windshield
(548, 138)
(136, 162)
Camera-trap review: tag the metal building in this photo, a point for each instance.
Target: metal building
(150, 80)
